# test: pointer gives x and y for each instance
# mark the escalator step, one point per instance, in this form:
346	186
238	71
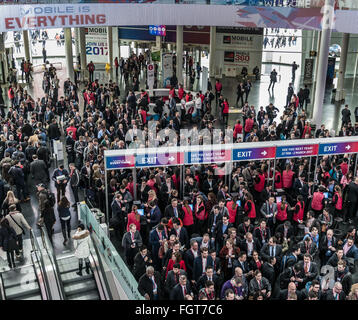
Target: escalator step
32	297
88	295
76	278
19	284
69	270
80	287
23	294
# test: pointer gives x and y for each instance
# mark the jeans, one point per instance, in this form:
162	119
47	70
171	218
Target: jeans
66	224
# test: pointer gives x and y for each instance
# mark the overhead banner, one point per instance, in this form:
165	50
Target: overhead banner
297	151
43	16
150	76
338	148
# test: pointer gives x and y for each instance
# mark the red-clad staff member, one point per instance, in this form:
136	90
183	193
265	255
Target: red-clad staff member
180	92
200	215
278	179
232	207
318	201
337	201
298	213
188	220
225	111
287	177
249	206
282	208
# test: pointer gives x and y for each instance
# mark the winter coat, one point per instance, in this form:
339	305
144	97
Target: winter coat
82	245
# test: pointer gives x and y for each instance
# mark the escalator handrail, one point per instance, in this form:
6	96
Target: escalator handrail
53	260
47	293
104	285
2	288
38	253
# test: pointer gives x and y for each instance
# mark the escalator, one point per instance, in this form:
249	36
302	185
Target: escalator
92	286
28	282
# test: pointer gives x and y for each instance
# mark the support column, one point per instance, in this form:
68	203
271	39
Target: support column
83	57
69	54
322	63
212	52
179	50
25	36
77	41
110	50
340	94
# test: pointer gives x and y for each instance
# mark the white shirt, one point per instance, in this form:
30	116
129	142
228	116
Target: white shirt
198	103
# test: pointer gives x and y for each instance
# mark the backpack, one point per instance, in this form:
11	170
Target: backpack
51	200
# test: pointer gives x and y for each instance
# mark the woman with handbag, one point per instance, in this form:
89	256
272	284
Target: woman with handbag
18	223
8	241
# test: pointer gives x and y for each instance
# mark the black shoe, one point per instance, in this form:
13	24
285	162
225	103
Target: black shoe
64	242
88	268
79	273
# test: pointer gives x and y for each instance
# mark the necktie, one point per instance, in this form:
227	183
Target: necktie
184	290
175	278
132	234
175	212
306	267
270	251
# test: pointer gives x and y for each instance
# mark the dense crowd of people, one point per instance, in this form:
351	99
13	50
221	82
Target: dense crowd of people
267	237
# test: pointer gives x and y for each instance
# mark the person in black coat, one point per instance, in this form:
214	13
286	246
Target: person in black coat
173	278
182	290
221	232
8	242
294	274
142	260
343	276
245	227
214	218
149	285
338	255
310	269
327	247
209	275
336	291
199	262
174	210
180	233
268	270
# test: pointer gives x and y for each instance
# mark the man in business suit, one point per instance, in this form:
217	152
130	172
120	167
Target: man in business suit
286	230
173	278
291	288
200	264
308	246
260	284
328	246
214	218
209	185
131	241
149	284
268	211
118	216
189	256
294	274
249	244
183	290
242	263
209	276
166	189
271	249
221	232
349	249
268	270
337	256
262	233
174	210
156	239
180	233
245	227
142	260
336	293
309	268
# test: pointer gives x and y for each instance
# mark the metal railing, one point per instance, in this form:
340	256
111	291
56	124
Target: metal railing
52	257
110	255
2	288
36	254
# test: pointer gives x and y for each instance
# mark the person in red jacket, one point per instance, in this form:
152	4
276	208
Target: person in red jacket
225	111
200	215
317	203
237	129
116	65
232	208
249	123
298	213
337	201
176	258
134	217
180	91
278	179
11	95
188	220
218	88
282	208
249	207
344	166
287	178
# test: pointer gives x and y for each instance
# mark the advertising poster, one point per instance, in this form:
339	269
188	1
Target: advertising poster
96	44
167	69
150	76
